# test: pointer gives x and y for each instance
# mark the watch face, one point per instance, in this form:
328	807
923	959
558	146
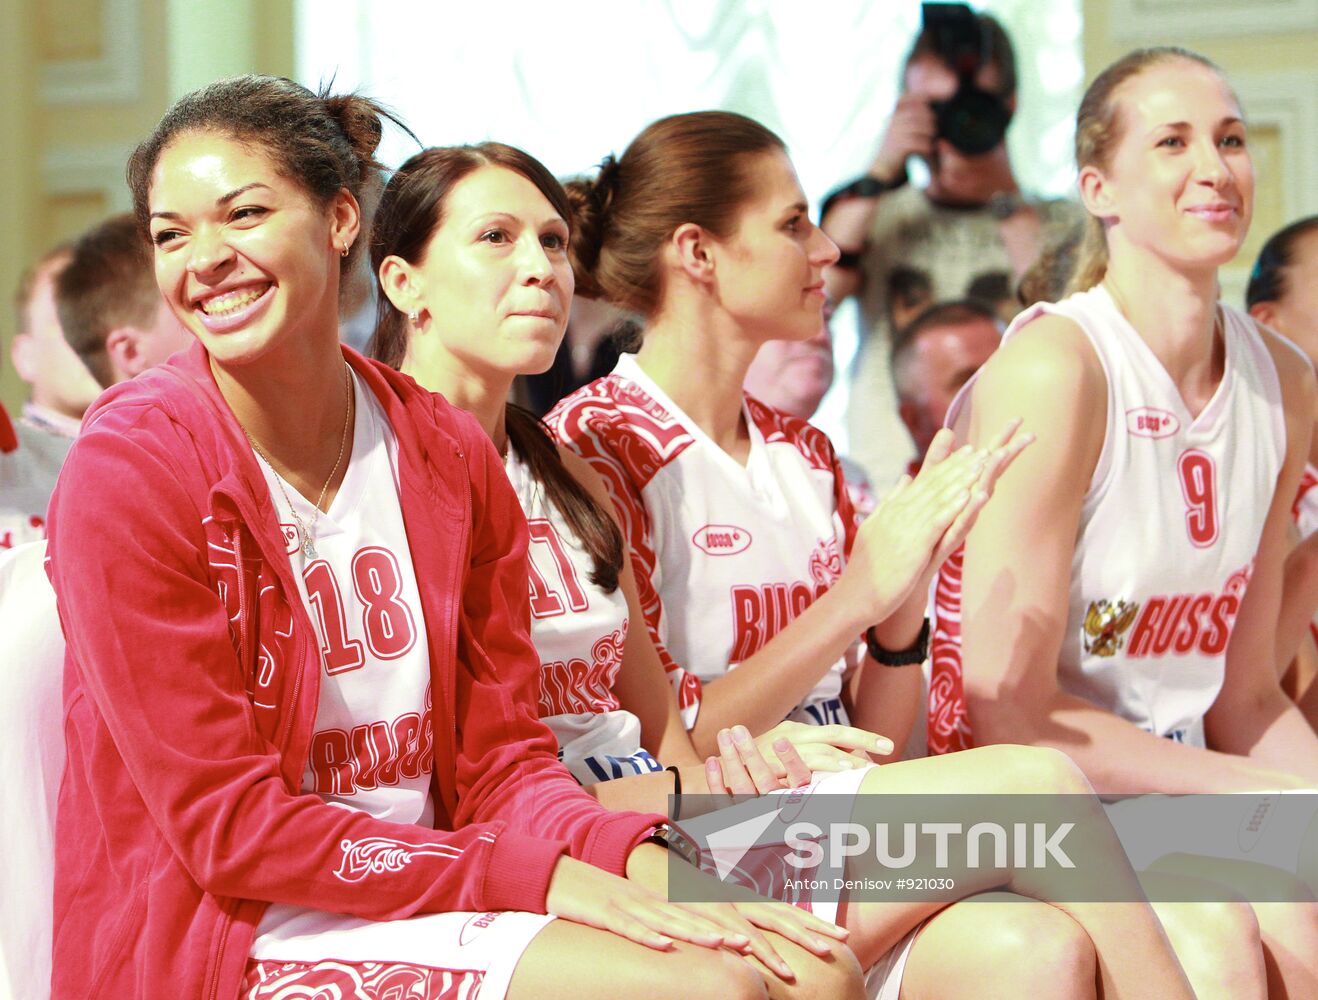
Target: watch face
681	845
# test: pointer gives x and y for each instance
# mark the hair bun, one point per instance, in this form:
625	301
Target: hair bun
360	121
592	202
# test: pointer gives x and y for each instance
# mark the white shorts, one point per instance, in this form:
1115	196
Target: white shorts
432	956
600	746
883	979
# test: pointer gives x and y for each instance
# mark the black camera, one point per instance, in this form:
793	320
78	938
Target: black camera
973	119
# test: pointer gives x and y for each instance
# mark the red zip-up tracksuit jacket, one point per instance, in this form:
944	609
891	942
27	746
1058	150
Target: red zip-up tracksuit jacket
191	686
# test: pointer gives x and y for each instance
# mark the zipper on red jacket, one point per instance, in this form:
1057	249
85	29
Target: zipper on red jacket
243	623
226	923
455	589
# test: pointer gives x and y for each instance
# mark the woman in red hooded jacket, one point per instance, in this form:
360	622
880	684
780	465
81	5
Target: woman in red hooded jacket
300	697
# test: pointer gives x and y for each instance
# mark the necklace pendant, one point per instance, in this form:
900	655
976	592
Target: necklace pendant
308	549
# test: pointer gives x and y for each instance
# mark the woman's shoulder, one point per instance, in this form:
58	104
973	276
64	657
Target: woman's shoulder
1295	373
1292	364
590	406
1048	355
430	412
780	427
620	429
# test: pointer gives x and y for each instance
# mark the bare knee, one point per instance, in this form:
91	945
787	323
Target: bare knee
1044	940
1219	945
1016	769
1214	923
1002	949
837	977
722	974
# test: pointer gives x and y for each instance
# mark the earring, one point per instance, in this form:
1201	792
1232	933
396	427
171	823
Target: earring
345	251
413	316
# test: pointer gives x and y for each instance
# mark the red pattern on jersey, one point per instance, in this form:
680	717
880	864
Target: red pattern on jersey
576	686
1307	482
627	438
776	427
949	724
333	980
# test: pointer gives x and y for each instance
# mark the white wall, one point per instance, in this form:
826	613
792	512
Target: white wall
573	82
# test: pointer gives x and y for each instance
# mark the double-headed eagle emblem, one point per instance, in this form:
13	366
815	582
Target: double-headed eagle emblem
1106	624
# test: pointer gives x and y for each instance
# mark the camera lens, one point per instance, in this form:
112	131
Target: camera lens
973	120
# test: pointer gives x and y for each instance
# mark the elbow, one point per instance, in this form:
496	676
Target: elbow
995	718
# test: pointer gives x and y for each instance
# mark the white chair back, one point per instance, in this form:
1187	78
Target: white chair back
31	766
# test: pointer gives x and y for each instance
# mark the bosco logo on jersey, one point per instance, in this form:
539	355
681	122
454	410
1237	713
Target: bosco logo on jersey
1151	422
721	539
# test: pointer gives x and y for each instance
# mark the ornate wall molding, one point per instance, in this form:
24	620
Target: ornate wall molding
1285	102
68	170
114	75
1170	20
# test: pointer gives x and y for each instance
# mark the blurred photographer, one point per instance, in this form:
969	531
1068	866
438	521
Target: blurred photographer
972	224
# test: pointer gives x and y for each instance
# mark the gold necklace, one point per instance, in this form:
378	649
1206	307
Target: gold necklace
304	538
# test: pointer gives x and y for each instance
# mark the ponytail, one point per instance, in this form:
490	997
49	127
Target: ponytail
1090	259
684	168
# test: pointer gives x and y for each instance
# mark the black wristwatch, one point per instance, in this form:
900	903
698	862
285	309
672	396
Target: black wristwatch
914	653
671	837
864	186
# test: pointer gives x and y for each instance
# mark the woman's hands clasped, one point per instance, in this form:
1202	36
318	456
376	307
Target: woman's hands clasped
787	756
924	520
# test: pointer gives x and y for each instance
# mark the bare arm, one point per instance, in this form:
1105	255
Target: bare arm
848	220
641	687
1299	599
885	699
1017	578
888	565
1252	715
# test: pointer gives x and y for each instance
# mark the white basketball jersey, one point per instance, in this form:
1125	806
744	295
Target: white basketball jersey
580	633
372	747
1305	512
725	556
1169	526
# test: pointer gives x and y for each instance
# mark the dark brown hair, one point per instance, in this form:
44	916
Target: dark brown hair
108	283
410	211
1269	282
684	168
998	52
1098	129
323	143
